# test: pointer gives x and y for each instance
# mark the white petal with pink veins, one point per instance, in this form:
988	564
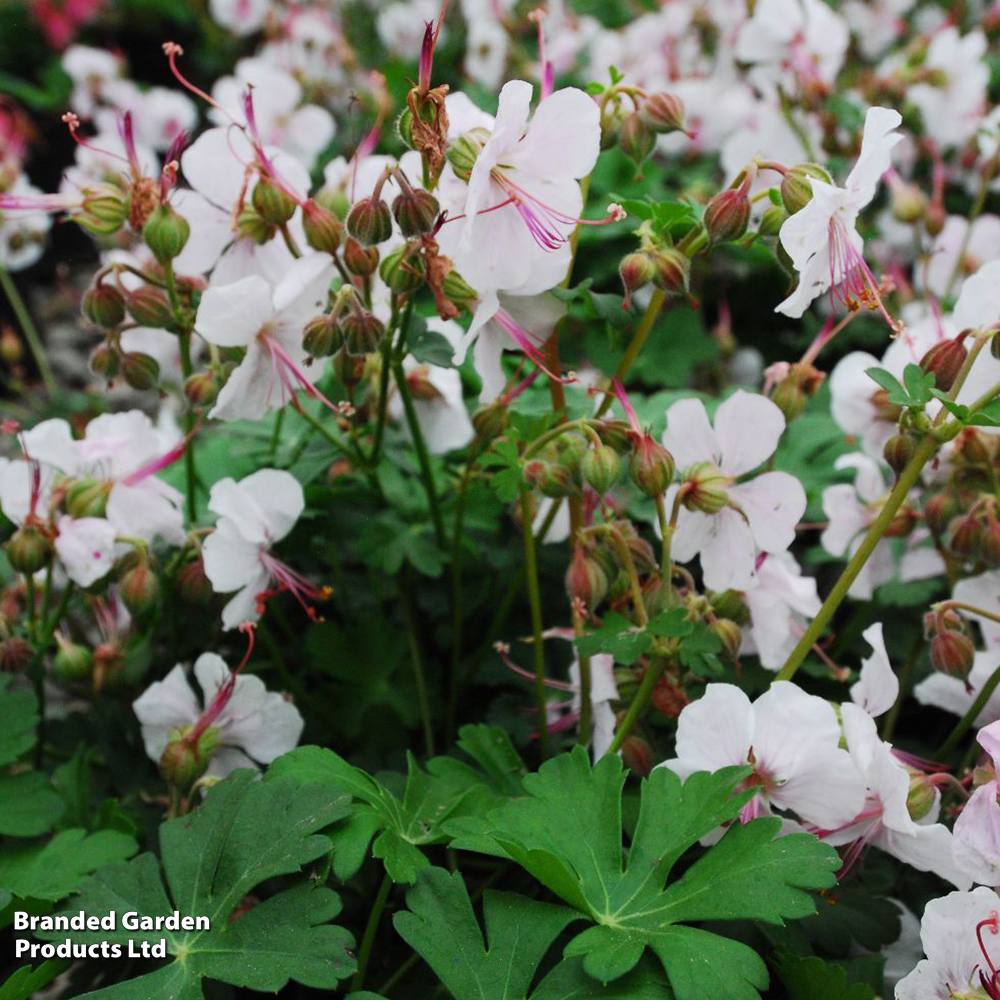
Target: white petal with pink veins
86	548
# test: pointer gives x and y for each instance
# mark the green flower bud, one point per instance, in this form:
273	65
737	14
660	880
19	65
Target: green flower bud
730	635
29	549
370	222
87	497
663	113
601	467
490	420
727	215
363	332
139	588
193	585
673	270
140	371
105	361
322	227
402	270
359	260
322	337
707	489
464	151
73	662
898	451
202	388
637	139
150	307
772	220
651	467
183	764
273	203
636	271
103	305
922	796
166	233
252	227
415	211
586	579
796	185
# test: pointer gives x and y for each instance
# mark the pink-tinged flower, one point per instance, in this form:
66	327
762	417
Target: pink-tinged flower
885	821
241	17
251	725
877	688
804	40
268	322
23	235
851	508
60	19
86	548
780	603
822	239
959	935
789	737
960	249
760	513
523	199
951	693
254	515
977	830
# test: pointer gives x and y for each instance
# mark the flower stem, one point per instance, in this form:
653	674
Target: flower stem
383	399
970	716
923	453
905	676
454	680
30	331
535	600
635	345
418	669
368	939
639	703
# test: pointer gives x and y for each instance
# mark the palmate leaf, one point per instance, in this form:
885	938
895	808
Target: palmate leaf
398	825
18	719
810	978
245	833
26	981
568	834
442	927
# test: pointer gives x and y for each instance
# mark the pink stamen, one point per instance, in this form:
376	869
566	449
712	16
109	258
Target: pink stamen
626	405
524	340
161	462
172	50
290	375
127	134
548	70
528	676
72	122
293	582
37	203
223	695
992	984
851	280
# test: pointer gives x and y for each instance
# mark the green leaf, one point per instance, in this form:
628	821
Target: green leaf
619	637
246	832
23	984
568	835
54	870
442	927
955	409
698	652
431	347
919	384
18	719
810	978
505	459
400	825
886	380
988	416
672	624
29	805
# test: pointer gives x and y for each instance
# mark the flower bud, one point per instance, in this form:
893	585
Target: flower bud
615	434
796	185
921	797
322	227
193	585
772	220
273	203
908	202
706	488
105	361
945	360
637	139
586	579
730	604
464	151
402	271
938	512
87	497
601	467
322	336
360	260
140	371
963	536
636	271
165	233
252	227
150	307
730	635
415	211
457	290
348	368
669	697
73	662
637	755
727	215
183	764
790	397
29	549
139	588
11	351
202	388
103	305
651	466
935	217
672	270
952	653
663	112
897	452
490	420
370	222
902	523
988	548
556	481
363	331
103	214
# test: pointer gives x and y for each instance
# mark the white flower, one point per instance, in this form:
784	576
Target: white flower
780	602
822	239
953	109
877	688
23	235
268	322
851	508
254	514
254	726
523	198
976	847
762	512
241	17
790	738
959	249
951	930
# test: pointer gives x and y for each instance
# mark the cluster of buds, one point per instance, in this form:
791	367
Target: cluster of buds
348	329
632	119
791	385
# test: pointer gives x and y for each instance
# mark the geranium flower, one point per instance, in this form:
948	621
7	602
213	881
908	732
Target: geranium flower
790	738
960	249
268	321
86	548
959	933
756	514
822	239
254	515
976	848
251	726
